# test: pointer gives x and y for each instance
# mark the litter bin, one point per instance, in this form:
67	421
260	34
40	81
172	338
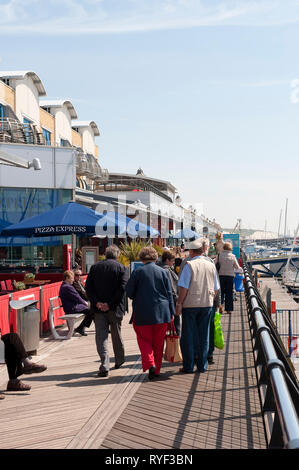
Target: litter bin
27	323
238	279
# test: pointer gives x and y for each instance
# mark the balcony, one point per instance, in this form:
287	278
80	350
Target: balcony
87	165
15	132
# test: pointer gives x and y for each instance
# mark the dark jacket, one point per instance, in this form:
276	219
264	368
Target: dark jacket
149	287
71	300
106	283
173	277
80	289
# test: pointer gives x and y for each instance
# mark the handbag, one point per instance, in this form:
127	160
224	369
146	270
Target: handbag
172	350
218	333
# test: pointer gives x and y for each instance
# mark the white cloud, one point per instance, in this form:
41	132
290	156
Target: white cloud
121	16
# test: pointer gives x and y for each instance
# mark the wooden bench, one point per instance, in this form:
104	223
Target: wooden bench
71	319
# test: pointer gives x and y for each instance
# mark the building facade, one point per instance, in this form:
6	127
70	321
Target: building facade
33	127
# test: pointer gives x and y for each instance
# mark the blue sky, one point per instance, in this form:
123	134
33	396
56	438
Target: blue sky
195	92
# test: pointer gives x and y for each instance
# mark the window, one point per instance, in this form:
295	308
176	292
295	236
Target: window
47	136
27	129
1	114
64	143
6	81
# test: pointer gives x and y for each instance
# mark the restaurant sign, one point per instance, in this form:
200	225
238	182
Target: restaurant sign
60	229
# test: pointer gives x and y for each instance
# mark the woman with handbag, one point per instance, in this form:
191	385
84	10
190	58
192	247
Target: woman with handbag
226	263
150	289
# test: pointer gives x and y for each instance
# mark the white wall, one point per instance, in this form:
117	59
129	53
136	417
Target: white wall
27	100
63	127
58	168
88	142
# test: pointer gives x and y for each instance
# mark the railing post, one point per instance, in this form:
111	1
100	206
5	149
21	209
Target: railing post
290	334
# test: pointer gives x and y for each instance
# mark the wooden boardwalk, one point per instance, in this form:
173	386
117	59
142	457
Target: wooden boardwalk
69	407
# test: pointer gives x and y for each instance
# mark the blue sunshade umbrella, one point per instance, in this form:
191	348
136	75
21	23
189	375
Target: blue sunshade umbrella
131	227
70	218
73	218
186	233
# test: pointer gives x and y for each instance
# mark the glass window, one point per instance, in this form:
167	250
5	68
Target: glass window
27	129
47	136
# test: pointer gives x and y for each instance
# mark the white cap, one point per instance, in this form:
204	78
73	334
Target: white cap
196	244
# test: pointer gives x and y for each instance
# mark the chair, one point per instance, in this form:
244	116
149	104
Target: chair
2	285
9	285
71	319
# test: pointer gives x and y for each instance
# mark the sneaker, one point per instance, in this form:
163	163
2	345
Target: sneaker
103	373
34	368
211	360
17	386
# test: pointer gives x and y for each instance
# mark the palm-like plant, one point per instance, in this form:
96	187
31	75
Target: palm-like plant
131	250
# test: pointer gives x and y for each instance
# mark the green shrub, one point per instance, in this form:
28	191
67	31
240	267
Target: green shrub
20	286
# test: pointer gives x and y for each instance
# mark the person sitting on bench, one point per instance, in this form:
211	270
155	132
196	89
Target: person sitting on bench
72	302
18	363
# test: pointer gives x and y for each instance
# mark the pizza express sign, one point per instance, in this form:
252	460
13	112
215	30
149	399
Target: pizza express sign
60	229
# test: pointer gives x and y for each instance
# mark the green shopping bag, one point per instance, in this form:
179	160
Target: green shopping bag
218	333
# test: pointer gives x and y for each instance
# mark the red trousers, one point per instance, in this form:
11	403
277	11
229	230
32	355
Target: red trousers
150	339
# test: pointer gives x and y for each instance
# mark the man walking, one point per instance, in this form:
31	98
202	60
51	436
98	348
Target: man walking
197	284
105	288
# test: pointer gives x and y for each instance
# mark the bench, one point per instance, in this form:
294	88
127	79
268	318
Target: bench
71	319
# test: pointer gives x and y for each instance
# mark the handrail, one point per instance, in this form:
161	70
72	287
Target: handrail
278	385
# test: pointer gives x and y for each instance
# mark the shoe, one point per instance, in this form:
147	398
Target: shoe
211	360
2	396
17	386
34	368
103	373
229	313
151	373
117	366
183	371
80	331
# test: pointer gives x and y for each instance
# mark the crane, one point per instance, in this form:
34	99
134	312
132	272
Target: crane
237	227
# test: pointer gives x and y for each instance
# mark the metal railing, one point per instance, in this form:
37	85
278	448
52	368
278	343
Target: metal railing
14	131
277	381
287	324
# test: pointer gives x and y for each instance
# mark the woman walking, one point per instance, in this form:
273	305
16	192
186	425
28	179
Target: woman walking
228	263
150	289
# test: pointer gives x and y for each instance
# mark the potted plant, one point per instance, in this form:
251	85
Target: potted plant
20	286
29	277
131	251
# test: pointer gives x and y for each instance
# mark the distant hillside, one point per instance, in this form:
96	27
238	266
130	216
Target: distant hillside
245	232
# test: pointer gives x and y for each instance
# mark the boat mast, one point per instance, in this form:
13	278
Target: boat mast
285	220
279	224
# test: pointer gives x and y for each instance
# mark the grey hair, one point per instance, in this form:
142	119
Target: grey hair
112	252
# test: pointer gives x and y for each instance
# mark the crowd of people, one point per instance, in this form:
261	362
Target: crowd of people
185	286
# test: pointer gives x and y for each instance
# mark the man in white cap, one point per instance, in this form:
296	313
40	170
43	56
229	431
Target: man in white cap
198	284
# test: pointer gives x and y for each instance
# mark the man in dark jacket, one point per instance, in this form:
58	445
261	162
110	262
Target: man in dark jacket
105	288
78	285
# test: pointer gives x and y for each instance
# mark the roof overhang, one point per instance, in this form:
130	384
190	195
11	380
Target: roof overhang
20	75
59	104
82	124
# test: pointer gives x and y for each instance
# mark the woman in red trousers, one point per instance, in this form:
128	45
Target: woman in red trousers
150	289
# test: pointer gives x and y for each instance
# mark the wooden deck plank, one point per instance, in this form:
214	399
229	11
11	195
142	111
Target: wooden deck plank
70	407
218	409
